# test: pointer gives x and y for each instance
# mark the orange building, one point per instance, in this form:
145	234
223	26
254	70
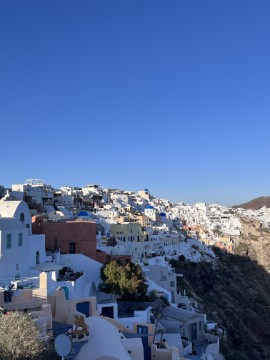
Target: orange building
71	237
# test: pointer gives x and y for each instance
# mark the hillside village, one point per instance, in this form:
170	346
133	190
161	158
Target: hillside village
55	241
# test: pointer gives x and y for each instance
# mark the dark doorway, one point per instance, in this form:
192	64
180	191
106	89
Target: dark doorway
193	331
72	248
83	307
107	311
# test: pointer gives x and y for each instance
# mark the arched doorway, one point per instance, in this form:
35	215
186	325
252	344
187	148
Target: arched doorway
66	290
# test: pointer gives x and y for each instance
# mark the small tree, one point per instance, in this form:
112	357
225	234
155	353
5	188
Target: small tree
110	275
132	282
158	306
20	338
157	311
126	280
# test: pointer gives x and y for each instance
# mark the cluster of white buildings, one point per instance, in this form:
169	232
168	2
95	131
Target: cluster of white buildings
262	215
68	201
52	298
133	226
210	217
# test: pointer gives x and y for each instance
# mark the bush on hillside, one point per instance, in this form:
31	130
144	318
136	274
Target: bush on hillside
20	338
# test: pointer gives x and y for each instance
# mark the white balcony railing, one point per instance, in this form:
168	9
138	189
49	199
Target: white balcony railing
24	282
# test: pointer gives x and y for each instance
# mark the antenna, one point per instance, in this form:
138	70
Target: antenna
62	345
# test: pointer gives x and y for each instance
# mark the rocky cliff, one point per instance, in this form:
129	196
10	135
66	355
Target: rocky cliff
236	293
254	242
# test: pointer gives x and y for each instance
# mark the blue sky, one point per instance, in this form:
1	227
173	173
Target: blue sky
167	95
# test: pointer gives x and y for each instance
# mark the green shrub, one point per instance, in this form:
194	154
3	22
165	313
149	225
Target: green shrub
20	338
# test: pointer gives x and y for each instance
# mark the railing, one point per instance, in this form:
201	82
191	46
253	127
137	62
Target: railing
52	252
24	282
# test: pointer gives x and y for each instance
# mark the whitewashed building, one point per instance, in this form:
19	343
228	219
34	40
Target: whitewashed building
20	250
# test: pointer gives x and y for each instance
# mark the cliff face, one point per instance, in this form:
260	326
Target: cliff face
254	242
236	293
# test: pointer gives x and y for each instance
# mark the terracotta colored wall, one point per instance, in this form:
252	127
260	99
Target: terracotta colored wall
60	234
123	258
83	233
101	257
37	222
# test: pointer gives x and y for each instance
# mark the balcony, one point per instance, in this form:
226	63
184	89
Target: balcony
26	294
21	283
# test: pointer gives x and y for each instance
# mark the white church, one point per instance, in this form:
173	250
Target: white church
20	250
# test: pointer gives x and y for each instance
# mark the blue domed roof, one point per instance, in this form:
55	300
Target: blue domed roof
162	214
83	213
149	207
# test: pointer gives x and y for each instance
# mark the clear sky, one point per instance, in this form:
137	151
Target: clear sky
173	96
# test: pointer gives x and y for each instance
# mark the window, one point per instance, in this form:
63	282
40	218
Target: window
8	241
20	239
22	217
37	258
172	283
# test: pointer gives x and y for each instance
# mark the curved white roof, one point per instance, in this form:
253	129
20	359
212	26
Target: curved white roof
8	208
79	262
16	209
104	342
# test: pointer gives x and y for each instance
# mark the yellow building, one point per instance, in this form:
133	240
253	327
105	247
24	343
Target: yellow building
127	232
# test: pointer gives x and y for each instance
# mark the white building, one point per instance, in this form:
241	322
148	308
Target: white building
20	250
91	189
151	212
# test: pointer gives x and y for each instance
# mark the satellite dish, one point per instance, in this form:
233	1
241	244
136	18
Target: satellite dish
62	345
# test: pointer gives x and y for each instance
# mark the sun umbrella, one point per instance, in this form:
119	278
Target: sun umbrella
48	266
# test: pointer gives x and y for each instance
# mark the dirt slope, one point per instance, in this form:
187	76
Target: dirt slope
255	203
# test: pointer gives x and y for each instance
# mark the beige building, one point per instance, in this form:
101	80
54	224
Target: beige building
143	220
127	232
144	194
